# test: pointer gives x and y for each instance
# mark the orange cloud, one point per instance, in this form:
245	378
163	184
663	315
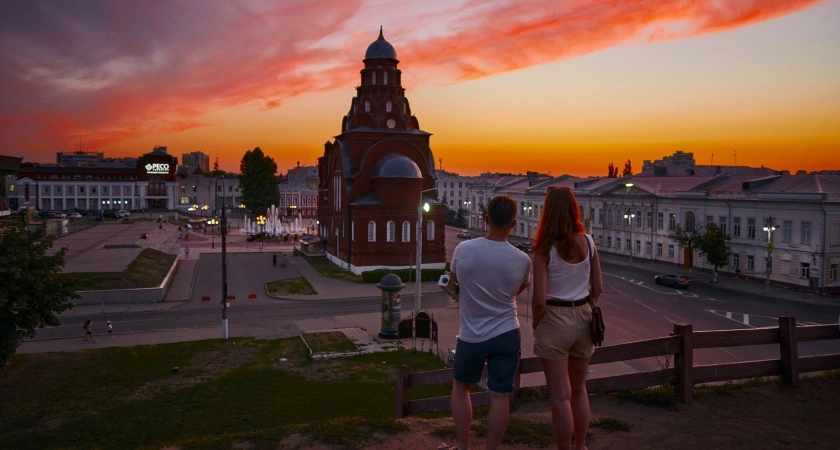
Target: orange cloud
112	71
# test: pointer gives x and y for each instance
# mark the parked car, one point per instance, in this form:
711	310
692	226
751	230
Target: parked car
109	213
464	234
524	246
59	215
677	281
123	213
75	215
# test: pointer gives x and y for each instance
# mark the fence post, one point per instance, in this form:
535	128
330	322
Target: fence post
402	391
788	350
684	363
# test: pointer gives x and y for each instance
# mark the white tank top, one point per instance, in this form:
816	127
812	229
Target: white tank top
568	281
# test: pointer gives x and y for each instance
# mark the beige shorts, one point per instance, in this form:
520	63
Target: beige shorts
564	331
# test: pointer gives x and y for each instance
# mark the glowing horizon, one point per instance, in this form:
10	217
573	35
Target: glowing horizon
566	87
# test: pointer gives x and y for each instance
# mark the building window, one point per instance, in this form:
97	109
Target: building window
373	77
391	228
650	219
671	251
736	260
690	224
710	220
736	227
805	270
722	222
672	221
806	233
659	249
406	231
648	247
639	246
751	228
367	106
618	243
609	217
609	241
600	216
787	231
638	218
385	79
660	220
833	272
387	106
430	231
371	231
628	244
750	262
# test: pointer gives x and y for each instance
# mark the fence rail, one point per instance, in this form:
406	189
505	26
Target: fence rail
680	346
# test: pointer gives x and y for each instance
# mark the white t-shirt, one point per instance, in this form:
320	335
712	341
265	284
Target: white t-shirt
489	275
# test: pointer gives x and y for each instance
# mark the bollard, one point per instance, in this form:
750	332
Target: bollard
391	285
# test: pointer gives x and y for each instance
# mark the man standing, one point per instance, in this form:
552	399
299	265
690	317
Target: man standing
490	273
274	260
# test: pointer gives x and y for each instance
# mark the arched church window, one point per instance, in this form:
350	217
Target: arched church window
373	77
430	230
387	106
406	231
391	234
367	106
371	231
385	78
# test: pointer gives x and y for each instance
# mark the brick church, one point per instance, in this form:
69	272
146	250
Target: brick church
375	175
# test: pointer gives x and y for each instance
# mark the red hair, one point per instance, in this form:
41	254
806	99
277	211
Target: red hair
559	222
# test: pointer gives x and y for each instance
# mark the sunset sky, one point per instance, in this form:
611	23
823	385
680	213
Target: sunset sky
563	86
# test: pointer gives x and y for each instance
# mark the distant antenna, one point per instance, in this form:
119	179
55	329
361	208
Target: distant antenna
735	155
713	160
440	161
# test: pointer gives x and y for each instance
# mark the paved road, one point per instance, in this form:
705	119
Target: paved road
636	308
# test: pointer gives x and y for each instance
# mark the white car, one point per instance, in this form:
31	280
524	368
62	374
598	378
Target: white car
123	213
75	215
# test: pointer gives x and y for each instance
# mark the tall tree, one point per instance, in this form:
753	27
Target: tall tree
628	169
31	290
258	181
687	239
610	170
715	245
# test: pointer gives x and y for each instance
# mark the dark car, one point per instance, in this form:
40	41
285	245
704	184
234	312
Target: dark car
524	246
677	281
464	234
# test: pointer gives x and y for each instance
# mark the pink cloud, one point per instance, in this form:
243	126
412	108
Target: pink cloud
112	71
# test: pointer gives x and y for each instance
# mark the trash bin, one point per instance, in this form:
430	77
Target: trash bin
391	285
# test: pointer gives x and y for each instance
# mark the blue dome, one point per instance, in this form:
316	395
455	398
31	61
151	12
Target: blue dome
380	48
396	166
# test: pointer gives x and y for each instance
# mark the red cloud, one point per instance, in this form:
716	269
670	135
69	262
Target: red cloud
136	69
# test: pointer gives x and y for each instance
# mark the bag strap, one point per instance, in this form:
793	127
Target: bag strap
589	250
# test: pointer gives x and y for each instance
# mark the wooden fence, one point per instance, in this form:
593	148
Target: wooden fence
679	346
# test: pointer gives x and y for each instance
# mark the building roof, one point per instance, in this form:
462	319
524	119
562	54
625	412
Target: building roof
396	166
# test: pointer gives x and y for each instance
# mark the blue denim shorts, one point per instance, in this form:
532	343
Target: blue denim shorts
501	354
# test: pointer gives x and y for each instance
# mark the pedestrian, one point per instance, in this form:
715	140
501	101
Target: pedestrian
88	326
567	284
110	329
274	260
285	261
490	273
261	246
187	252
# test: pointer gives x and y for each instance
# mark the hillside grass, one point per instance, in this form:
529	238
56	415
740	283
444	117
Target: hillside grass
204	394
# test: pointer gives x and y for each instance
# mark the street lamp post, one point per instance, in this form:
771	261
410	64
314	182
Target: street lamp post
467	205
526	211
769	228
203	209
213	222
417	287
629	216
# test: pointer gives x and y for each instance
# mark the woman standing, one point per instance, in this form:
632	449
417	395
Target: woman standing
89	331
567	283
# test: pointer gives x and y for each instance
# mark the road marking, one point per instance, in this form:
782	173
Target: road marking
646	306
669	319
729	315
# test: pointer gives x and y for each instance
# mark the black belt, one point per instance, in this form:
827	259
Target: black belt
566	303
